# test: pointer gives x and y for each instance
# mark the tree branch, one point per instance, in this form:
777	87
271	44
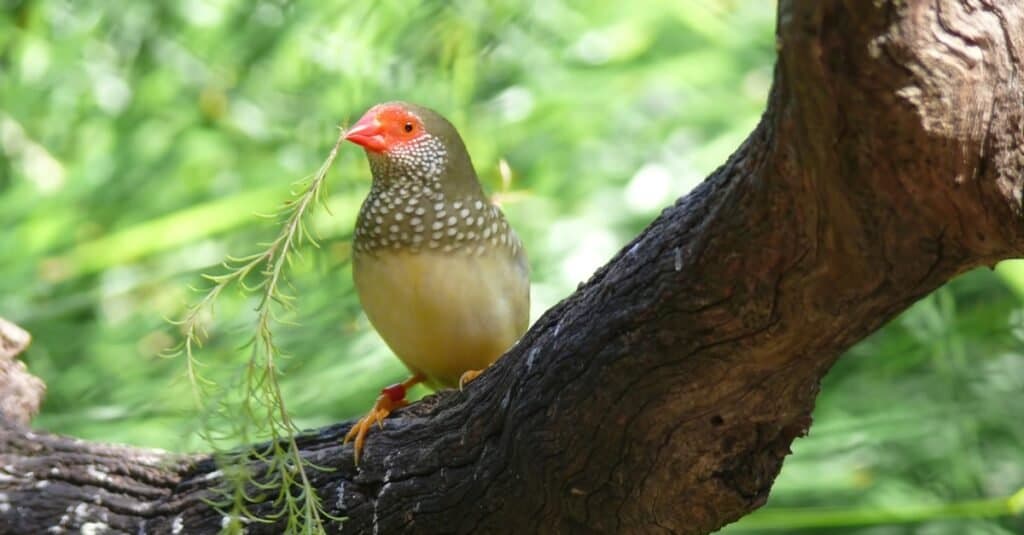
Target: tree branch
21	393
664	394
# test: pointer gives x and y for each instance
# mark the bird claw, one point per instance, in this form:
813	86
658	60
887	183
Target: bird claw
381	409
391	398
468	376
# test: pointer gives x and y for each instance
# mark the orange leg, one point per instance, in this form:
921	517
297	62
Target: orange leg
391	398
468	376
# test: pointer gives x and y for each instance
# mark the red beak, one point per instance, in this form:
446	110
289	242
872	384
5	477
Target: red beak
367	132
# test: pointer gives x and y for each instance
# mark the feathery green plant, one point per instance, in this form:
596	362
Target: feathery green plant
261	412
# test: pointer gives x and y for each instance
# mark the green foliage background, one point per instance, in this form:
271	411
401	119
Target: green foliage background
138	140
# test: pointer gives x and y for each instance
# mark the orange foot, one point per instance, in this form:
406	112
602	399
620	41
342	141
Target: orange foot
468	376
391	398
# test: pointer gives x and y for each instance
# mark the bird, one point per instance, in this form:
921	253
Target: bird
441	275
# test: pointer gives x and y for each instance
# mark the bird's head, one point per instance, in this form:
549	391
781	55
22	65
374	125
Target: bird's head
408	142
386	127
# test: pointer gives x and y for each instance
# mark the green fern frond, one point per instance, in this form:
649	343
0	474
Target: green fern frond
260	410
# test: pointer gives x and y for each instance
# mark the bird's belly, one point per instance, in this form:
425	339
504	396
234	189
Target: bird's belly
443	314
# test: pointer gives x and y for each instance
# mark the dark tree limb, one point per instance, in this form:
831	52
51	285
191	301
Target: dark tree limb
664	394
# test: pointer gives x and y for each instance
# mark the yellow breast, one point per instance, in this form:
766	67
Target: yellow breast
444	313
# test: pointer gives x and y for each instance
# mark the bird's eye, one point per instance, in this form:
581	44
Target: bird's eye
408	127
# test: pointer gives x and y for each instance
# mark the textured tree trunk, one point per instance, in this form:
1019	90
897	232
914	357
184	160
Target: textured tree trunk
664	394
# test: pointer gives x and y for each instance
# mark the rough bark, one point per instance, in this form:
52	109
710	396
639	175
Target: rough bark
664	394
21	393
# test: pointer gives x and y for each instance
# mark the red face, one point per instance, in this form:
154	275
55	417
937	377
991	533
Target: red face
384	127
